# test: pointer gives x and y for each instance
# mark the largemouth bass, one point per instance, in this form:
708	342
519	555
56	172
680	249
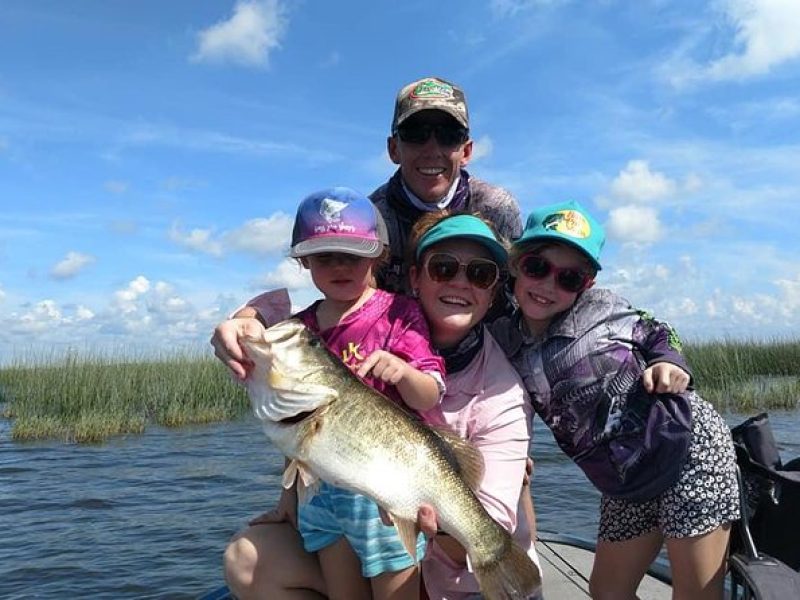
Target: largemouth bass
334	427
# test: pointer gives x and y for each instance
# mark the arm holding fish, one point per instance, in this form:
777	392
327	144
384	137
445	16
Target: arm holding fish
227	346
266	309
419	391
408	360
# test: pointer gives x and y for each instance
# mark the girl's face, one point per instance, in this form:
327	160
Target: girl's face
339	276
455	306
543	298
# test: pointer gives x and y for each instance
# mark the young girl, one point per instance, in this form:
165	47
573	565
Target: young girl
611	384
340	237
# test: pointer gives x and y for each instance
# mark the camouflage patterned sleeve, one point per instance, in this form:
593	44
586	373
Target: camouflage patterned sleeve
659	342
499	206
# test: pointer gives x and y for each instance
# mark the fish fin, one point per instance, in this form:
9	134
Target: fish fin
290	474
308	485
512	574
307	482
407	531
466	457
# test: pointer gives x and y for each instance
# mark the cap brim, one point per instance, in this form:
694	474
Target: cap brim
358	247
445	109
543	237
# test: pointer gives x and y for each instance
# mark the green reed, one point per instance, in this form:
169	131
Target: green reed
745	376
88	399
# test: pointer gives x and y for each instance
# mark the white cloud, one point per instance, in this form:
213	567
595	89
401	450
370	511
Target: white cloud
637	183
199	240
261	236
41	317
2	294
636	224
764	37
256	236
83	314
125	299
482	148
288	274
72	264
247	37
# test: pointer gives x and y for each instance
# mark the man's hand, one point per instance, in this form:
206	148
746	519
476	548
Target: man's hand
227	346
665	378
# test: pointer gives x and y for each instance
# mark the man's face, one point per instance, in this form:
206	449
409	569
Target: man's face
430	167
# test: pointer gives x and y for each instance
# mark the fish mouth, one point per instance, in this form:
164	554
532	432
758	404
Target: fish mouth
297	418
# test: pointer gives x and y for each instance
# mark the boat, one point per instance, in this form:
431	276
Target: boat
566	563
765	555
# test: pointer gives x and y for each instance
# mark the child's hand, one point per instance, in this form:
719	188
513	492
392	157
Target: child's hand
665	378
384	366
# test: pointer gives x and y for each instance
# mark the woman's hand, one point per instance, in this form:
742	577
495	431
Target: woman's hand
284	512
227	346
665	378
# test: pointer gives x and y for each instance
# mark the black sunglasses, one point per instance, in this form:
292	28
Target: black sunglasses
481	272
446	134
538	267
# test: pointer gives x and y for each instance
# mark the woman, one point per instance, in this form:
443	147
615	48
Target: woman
457	270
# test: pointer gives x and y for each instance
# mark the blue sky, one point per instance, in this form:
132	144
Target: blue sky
152	153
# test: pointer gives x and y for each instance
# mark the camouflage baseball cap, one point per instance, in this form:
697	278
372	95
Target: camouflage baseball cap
430	93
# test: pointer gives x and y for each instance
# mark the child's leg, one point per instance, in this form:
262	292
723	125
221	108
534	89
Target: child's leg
341	569
620	566
698	564
628	540
397	585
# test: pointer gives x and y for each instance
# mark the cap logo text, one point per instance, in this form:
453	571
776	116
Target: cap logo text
568	222
432	89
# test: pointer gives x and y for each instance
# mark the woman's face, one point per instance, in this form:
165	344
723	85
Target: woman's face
452	307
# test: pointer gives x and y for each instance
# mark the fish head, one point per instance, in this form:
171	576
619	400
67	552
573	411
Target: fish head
292	372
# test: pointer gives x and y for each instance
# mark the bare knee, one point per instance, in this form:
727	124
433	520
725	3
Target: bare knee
239	563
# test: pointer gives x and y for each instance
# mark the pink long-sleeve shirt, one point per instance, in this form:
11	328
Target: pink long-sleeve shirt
485	403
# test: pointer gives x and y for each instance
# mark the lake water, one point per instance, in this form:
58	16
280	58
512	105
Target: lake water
148	516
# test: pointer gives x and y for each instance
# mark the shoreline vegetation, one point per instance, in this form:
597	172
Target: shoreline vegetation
87	399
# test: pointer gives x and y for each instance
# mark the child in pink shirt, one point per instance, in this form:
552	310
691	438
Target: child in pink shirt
340	237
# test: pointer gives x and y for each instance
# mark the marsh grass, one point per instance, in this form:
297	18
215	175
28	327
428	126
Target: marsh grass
745	376
91	398
88	399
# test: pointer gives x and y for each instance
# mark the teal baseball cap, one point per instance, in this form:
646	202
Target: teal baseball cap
569	223
467	227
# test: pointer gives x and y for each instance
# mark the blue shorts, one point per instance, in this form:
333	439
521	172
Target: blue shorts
334	513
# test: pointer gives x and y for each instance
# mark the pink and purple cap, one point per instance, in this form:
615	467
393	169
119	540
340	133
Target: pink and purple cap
338	219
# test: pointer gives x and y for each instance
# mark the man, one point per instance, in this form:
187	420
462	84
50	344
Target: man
430	141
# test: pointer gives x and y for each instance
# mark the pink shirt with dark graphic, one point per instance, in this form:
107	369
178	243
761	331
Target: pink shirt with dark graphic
384	322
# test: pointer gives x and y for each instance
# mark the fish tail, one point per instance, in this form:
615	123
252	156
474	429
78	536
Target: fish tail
512	575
